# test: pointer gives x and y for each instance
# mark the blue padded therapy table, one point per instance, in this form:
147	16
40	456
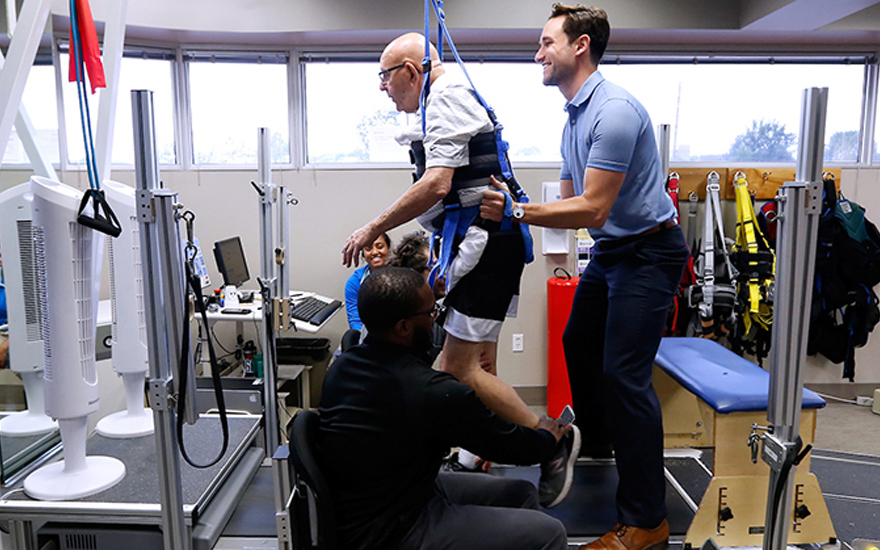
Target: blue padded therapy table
729	395
721	378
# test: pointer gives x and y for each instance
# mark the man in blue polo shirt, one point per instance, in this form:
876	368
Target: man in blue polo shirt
612	183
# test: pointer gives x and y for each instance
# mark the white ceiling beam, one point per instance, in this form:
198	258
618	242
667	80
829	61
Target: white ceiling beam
28	136
798	15
21	54
114	42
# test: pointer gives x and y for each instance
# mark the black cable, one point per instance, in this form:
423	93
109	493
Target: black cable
217	340
269	354
791	459
195	285
258	340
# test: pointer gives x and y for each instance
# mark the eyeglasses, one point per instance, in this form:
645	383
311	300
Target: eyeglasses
385	74
433	312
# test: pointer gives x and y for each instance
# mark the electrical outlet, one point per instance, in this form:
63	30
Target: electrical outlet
517	342
876	407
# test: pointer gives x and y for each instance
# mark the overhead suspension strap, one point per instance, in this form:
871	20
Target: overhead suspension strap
501	146
85	56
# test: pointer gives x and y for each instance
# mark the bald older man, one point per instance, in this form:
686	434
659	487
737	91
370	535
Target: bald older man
454	158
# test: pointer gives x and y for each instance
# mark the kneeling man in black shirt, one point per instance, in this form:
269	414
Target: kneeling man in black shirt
388	420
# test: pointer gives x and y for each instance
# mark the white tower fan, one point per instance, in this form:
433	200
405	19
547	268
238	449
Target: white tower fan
66	252
129	337
23	304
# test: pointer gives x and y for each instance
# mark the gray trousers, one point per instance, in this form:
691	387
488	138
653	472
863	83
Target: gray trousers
472	510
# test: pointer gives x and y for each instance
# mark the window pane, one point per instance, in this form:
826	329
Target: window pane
343	130
348	119
744	112
145	74
41	105
229	102
532	114
135	74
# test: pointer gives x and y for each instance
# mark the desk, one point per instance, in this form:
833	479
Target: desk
254	312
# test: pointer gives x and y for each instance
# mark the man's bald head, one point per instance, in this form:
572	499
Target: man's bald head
409	47
401	70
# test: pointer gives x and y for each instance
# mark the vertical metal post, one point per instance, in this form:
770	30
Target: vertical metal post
799	208
869	113
268	196
664	131
162	257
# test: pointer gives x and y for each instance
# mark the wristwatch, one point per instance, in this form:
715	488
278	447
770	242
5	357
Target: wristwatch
518	212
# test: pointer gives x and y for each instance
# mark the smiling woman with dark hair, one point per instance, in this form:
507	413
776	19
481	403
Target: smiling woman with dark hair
375	257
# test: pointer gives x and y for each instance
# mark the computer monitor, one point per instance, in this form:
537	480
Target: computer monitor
229	255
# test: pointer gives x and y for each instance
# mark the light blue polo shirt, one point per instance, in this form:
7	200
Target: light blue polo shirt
608	128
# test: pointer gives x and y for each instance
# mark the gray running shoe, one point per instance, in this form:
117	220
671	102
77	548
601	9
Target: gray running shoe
558	472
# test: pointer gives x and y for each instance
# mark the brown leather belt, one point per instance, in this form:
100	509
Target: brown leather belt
616	243
665	225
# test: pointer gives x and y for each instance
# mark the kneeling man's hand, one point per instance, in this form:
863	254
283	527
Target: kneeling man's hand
553	426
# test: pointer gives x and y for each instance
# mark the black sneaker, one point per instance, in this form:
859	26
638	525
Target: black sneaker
558	472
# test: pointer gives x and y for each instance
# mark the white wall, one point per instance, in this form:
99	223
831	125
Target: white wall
332	203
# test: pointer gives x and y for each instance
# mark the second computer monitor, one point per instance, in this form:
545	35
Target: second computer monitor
229	255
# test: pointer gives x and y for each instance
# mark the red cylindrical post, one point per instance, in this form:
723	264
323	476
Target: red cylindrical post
560	294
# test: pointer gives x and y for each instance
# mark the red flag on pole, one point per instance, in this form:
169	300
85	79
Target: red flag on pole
88	37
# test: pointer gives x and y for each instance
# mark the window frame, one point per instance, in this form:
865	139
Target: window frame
60	43
247	54
515	54
298	56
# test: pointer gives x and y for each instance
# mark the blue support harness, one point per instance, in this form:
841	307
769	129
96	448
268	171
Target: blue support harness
457	219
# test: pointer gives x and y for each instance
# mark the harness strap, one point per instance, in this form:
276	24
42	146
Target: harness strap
455	225
507	217
501	146
443	32
746	240
750	239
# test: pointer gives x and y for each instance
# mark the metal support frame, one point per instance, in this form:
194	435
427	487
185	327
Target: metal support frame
20	58
663	132
798	219
164	295
270	283
114	42
276	292
869	113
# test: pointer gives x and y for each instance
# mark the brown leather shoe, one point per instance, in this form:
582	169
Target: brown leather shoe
624	537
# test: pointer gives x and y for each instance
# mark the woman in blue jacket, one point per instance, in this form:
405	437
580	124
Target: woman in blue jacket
375	257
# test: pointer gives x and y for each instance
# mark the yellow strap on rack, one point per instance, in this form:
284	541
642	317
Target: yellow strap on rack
746	239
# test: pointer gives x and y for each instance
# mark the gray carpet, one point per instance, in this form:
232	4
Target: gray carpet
849	428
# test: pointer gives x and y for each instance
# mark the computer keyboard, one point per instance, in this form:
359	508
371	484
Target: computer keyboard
313	310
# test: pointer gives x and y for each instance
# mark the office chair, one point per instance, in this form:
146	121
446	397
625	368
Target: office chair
310	486
350	339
